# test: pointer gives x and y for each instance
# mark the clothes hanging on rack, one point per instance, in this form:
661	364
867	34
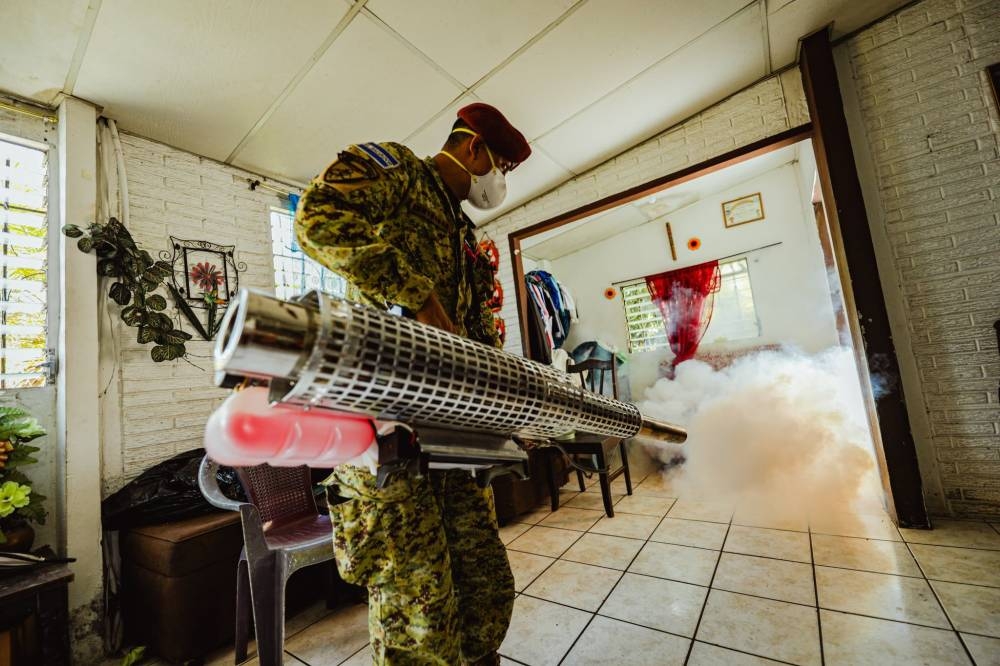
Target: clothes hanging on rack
555	307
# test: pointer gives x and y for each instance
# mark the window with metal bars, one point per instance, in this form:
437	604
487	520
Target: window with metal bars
23	269
734	316
294	272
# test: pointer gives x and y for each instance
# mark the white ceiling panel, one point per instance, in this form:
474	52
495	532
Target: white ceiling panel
37	41
585	233
537	175
429	139
596	49
789	21
369	86
664	94
196	74
468	38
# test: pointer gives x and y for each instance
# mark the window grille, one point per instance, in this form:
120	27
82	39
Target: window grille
23	271
294	272
734	315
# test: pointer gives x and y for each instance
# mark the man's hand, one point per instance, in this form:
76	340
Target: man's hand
433	313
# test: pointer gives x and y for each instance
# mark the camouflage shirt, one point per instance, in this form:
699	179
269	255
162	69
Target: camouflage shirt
383	218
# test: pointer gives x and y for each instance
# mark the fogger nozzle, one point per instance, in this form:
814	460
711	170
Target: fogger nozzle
325	352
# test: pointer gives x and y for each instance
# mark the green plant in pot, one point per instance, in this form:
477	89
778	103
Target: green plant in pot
20	505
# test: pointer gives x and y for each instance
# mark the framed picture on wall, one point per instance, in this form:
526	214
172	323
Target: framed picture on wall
745	209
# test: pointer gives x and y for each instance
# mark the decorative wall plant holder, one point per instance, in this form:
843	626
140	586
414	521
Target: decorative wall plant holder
205	278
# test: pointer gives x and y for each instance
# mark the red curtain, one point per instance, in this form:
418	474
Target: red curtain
685	298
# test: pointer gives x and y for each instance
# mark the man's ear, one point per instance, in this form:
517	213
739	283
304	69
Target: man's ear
475	146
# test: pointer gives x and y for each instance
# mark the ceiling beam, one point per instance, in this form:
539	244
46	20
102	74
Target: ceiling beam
86	31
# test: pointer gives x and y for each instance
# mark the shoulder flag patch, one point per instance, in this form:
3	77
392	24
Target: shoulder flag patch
382	157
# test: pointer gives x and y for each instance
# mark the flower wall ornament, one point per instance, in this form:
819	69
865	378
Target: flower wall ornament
205	278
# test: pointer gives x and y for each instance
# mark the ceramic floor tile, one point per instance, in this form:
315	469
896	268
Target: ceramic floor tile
964	533
306	617
573	584
770	518
568	518
985	651
658	604
362	657
703	654
646	505
959	565
547	541
627	525
691	533
879	595
855	525
682	563
510	532
657	483
972	609
852	639
592	501
333	639
890	557
533	517
617	486
526	567
541	632
764	577
779	544
712	512
767	628
605	638
603	550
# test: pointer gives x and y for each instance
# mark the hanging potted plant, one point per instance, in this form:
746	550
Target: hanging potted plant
20	505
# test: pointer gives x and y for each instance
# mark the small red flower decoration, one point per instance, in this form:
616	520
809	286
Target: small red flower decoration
206	276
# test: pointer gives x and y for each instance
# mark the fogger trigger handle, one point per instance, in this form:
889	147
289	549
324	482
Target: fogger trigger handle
398	451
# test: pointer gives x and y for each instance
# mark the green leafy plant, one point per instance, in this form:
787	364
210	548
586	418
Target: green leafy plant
134	656
19	504
135	277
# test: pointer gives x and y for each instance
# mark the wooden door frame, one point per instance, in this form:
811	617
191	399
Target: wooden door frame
862	286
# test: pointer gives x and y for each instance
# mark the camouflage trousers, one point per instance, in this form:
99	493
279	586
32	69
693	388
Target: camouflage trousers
440	588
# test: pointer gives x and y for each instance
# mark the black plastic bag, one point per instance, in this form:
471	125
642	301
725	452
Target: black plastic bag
166	492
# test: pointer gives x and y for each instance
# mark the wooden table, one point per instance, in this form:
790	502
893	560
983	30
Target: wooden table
42	592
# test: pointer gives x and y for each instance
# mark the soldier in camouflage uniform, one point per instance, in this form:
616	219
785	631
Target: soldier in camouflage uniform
440	586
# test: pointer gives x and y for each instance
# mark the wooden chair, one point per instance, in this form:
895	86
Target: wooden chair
593	451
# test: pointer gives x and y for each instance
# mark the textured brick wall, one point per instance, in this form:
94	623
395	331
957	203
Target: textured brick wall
764	109
932	128
159	409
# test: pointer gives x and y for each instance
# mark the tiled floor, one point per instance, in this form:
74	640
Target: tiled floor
685	582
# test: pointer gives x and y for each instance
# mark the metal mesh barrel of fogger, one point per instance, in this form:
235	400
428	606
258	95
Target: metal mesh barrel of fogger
325	352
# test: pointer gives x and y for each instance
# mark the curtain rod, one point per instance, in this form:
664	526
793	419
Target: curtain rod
756	249
254	184
28	112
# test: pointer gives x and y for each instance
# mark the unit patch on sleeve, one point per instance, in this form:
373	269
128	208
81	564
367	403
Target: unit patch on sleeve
382	157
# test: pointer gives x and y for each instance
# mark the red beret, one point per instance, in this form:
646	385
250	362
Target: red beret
497	132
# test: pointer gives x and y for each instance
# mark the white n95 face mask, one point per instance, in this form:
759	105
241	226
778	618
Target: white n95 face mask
487	191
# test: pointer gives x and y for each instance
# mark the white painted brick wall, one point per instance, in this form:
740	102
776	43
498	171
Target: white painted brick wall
764	109
164	406
932	128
